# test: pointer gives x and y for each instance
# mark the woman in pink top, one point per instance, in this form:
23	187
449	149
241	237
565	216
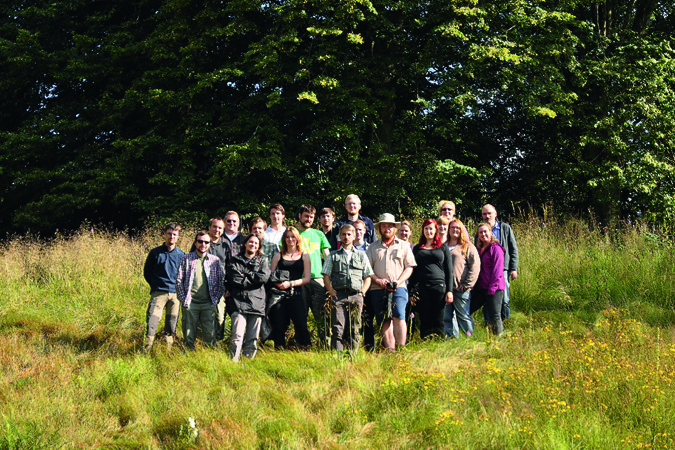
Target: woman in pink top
489	289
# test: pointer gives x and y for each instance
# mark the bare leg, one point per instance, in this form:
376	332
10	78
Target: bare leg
388	335
400	330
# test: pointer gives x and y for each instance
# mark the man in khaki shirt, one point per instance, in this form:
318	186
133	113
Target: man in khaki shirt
392	262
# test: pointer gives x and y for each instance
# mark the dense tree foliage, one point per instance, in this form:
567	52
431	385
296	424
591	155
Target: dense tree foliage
116	111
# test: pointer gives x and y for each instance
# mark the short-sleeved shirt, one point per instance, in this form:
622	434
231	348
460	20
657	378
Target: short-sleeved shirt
314	242
328	265
272	243
390	262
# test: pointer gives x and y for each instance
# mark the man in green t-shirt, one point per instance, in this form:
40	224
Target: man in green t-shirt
314	242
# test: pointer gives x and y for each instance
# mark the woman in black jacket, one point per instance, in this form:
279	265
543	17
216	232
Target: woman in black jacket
247	274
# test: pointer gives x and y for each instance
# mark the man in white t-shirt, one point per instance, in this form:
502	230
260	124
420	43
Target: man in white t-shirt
275	231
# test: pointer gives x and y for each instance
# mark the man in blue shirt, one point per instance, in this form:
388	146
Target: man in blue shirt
159	271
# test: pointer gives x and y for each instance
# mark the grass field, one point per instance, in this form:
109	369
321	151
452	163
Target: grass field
587	360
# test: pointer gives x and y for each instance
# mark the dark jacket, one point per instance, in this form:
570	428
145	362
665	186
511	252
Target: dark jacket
246	280
160	268
508	241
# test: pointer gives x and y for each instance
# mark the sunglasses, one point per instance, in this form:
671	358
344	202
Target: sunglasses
231	221
201	241
447	209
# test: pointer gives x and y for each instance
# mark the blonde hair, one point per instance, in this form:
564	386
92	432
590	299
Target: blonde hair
442	203
463	240
493	238
294	231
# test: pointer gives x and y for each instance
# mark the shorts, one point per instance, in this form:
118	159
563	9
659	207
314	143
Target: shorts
379	297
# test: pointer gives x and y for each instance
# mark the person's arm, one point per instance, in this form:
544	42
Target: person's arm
367	272
512	248
218	279
448	270
410	264
404	276
180	274
260	275
329	285
306	271
149	266
513	255
366	285
275	262
471	269
325	245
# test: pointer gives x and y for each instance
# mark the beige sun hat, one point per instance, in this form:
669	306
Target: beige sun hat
387	218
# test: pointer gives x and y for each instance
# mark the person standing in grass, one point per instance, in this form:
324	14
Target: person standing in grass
507	239
316	244
219	247
434	279
160	273
199	286
489	290
392	262
285	299
466	266
346	275
247	274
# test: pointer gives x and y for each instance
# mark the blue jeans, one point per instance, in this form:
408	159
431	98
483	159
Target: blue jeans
457	314
380	303
506	309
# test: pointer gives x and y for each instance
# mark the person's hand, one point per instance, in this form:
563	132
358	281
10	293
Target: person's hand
513	274
448	298
382	282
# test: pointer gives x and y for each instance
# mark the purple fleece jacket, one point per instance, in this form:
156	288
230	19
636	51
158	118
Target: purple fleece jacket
491	277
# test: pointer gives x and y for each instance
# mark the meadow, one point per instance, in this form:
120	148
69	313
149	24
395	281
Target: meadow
587	360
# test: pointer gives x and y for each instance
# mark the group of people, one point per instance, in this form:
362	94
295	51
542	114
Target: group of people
341	272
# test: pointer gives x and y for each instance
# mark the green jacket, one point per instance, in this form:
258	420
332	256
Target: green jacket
347	274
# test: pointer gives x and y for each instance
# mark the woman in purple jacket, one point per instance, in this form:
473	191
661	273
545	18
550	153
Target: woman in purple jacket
489	289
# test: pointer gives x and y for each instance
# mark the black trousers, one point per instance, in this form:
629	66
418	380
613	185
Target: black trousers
280	317
431	309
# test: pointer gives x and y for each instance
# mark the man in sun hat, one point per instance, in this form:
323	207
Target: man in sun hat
392	262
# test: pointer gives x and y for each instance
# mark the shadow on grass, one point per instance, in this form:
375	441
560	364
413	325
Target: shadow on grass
99	340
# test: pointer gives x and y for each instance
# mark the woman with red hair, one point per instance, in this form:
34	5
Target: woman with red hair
434	278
